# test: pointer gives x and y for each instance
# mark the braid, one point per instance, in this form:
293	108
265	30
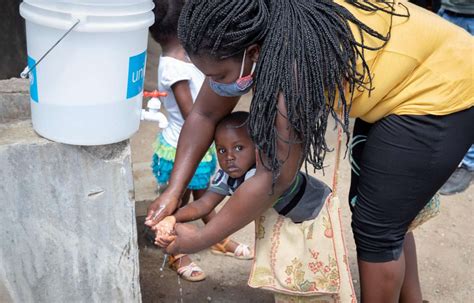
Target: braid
308	53
222	28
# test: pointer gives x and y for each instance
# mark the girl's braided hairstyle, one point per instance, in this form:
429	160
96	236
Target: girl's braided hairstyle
308	53
167	14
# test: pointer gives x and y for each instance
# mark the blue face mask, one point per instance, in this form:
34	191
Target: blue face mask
235	89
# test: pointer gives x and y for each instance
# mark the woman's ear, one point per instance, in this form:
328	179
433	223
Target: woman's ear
253	51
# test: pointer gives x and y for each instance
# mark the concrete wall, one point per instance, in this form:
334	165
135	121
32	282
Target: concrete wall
67	219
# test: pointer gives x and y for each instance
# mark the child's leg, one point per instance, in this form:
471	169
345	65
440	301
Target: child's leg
185	267
183	263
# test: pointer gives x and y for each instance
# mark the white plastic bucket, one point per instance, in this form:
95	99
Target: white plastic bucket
88	90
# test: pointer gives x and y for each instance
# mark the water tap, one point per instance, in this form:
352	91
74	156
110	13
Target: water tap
154	105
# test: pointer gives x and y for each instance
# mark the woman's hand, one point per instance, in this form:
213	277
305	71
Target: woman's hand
186	240
163	206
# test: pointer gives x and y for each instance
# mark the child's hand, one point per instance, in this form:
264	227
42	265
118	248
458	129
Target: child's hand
165	227
163	230
164	241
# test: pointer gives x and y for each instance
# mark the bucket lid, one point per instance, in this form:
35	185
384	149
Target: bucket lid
95	7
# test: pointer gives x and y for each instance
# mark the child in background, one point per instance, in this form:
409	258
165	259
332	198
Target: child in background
182	81
312	274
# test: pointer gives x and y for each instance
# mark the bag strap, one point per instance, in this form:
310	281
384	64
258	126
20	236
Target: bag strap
335	177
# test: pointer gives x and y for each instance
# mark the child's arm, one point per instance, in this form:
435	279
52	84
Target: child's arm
251	198
195	210
184	99
199	208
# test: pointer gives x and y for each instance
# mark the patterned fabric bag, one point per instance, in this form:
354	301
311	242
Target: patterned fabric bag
304	262
307	259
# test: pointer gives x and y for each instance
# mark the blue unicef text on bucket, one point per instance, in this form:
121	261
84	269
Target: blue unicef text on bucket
136	74
33	80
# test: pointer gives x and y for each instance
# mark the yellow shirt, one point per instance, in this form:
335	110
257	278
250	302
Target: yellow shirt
427	66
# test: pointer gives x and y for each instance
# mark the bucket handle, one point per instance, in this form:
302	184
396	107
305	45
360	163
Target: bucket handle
26	72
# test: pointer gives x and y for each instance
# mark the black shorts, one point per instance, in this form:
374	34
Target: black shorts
403	162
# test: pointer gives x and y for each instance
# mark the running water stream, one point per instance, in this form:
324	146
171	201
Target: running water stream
165	257
179	284
179	277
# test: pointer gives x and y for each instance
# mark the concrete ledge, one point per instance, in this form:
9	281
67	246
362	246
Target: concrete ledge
67	224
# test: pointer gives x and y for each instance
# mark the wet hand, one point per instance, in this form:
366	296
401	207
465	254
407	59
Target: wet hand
164	241
162	207
163	230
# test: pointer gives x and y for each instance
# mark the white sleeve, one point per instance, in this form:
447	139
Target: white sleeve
175	72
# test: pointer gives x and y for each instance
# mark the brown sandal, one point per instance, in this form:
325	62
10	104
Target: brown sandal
186	272
242	252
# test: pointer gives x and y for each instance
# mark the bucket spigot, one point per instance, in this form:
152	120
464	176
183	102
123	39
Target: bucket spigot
154	105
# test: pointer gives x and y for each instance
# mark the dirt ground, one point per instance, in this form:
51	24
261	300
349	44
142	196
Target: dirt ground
445	244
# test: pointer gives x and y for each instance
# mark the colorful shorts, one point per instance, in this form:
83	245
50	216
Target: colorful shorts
163	162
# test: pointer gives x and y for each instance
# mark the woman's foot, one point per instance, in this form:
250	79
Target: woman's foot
186	268
231	248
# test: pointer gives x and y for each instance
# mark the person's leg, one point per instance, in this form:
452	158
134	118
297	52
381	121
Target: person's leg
381	282
402	164
184	261
407	289
459	181
411	289
468	160
186	268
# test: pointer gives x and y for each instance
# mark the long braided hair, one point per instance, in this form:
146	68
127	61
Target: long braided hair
308	53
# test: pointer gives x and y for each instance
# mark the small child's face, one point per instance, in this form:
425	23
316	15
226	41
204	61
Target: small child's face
235	150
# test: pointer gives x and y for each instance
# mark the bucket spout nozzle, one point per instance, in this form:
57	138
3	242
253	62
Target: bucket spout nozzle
156	117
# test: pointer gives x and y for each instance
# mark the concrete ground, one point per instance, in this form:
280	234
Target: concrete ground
445	244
